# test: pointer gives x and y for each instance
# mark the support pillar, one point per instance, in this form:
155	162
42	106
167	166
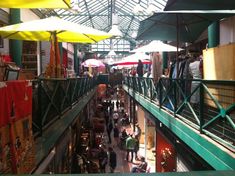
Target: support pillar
15	45
76	59
61	52
164	60
214	34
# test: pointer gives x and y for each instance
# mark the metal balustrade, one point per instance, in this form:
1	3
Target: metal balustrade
213	114
53	97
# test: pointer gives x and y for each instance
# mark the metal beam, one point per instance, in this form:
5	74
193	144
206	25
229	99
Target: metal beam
90	18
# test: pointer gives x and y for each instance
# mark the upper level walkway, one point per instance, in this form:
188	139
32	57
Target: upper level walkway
207	127
202	118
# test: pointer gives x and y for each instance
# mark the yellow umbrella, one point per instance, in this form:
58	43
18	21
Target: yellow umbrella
42	29
35	4
53	29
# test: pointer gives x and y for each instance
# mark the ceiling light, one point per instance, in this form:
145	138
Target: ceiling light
138	9
134	34
115	31
75	6
112	53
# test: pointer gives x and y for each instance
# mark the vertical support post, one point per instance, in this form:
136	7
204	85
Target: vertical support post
75	56
40	105
165	60
160	92
134	115
213	34
61	52
201	110
175	96
131	117
15	45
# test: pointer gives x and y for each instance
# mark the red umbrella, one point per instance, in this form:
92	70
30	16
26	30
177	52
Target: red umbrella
134	59
132	62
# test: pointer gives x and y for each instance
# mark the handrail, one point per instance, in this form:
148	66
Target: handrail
206	105
52	97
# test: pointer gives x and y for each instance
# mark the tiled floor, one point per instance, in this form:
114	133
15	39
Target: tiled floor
122	165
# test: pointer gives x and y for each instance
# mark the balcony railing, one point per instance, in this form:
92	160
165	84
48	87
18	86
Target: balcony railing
53	97
208	106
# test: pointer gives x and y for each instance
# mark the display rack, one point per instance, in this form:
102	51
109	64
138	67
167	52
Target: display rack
29	59
29	56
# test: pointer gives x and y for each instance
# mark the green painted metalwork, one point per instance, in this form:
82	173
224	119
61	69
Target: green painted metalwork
103	78
215	122
51	103
213	34
52	135
212	97
15	45
216	155
76	61
55	96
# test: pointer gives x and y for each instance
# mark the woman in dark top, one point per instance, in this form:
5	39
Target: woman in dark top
140	69
112	159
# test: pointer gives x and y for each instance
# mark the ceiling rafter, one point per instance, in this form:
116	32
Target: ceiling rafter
90	18
98	14
101	10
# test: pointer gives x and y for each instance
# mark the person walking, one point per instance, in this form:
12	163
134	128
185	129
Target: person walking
140	69
136	149
194	70
116	134
137	131
130	146
112	159
109	130
103	160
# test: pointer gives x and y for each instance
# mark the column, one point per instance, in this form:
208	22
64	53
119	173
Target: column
61	52
76	59
214	34
15	45
164	60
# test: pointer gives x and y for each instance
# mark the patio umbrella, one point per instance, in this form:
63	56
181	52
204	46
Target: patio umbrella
93	63
134	59
35	4
156	46
53	29
200	5
176	26
173	26
42	29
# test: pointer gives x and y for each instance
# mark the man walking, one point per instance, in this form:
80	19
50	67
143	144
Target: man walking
130	146
112	159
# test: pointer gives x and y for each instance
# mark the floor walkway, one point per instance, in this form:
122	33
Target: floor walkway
122	165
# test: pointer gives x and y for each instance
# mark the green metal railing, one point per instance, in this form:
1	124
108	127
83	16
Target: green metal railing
53	97
208	106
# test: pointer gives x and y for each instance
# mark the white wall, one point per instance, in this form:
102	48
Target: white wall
45	50
27	15
227	31
5	49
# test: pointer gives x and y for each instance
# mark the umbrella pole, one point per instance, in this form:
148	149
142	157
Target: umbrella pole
54	42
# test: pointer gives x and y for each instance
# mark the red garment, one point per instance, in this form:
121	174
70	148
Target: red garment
4	105
21	99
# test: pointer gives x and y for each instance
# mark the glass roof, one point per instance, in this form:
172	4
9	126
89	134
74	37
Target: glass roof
98	14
